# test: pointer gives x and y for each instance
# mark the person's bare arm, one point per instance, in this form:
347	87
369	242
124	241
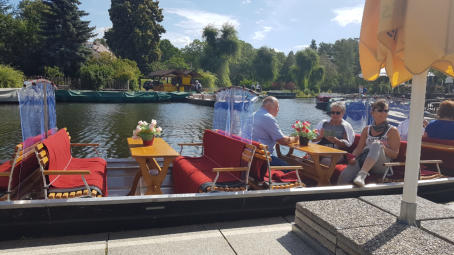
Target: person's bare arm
362	142
392	147
287	140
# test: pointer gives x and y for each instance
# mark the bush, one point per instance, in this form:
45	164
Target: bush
96	75
53	73
98	71
10	77
208	80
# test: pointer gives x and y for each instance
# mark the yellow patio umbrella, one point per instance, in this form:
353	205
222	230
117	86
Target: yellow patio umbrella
407	37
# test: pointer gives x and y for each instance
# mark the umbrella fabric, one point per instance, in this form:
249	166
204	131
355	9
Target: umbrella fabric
406	37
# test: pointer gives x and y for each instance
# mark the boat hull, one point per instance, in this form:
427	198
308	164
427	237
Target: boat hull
79	216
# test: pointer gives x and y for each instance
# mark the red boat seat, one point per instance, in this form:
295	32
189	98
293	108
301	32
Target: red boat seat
280	179
25	164
195	174
56	148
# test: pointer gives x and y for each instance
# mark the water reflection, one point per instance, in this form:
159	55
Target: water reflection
110	124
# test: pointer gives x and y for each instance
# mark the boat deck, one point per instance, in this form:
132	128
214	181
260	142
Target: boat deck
120	175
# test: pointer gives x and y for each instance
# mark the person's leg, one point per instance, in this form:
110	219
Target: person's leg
349	173
379	168
275	161
375	150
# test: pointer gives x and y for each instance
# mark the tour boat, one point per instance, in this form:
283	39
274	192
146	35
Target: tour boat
34	214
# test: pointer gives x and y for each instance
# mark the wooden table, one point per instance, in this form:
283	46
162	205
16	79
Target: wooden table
312	168
146	157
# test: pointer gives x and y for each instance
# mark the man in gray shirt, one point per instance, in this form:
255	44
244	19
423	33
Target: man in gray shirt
266	129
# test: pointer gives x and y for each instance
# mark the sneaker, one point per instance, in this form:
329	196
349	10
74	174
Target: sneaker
360	178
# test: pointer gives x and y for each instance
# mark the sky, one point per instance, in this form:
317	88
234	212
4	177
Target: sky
283	25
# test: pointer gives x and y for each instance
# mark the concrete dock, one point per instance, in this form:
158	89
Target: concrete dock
259	236
365	225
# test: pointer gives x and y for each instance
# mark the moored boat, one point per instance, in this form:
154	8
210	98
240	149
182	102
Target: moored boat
40	216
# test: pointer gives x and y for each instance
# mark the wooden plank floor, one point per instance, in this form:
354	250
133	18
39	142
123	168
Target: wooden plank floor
121	172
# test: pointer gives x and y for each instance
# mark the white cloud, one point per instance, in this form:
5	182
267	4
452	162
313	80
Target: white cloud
347	16
300	47
246	2
100	31
195	20
260	35
177	39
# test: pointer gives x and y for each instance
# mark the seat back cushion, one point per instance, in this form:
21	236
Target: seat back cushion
259	166
191	174
59	153
58	149
223	150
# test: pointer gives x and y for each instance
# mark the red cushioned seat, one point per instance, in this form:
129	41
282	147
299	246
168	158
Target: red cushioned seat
192	174
59	152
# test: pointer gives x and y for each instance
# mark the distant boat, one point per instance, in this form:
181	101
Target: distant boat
281	94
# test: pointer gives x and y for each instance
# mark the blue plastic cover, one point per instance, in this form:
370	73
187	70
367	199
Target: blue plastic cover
359	112
32	105
234	110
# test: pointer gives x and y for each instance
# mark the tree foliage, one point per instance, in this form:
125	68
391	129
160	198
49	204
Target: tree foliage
305	62
136	31
98	71
221	47
265	65
168	50
192	53
10	77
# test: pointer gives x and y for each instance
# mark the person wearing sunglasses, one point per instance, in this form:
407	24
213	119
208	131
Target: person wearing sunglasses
443	127
379	143
335	132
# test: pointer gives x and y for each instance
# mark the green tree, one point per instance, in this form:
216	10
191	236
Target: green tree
168	50
136	31
316	77
65	34
265	66
193	52
176	62
305	62
313	45
241	66
221	47
284	73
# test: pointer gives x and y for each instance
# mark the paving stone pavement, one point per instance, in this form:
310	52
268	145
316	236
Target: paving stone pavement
258	236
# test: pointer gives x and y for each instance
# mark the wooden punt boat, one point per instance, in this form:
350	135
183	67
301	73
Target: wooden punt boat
120	212
35	217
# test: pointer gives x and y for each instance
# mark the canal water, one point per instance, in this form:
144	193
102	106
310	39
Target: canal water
110	124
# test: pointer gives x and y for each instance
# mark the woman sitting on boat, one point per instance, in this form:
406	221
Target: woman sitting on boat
336	132
443	127
379	143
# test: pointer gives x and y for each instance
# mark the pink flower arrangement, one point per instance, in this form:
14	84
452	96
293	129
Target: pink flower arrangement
304	129
146	130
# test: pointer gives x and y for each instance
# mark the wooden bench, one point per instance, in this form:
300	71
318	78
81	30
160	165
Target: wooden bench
65	176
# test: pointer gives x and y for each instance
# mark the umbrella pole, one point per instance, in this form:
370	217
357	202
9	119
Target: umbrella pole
412	166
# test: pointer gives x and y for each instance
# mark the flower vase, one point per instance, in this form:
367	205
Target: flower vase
303	141
148	140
